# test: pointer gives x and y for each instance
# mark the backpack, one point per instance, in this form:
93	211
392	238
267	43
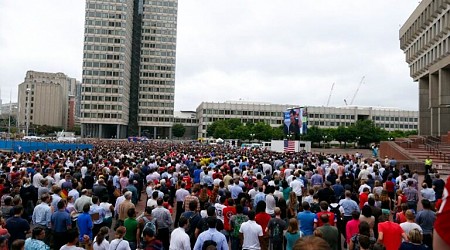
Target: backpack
337	215
148	224
191	228
209	244
239	219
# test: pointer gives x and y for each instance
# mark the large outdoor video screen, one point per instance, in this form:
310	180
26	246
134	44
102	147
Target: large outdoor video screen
296	121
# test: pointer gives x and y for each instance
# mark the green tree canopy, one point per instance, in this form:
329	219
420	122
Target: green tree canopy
178	130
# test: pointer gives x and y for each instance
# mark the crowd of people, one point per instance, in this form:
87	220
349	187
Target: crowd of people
183	196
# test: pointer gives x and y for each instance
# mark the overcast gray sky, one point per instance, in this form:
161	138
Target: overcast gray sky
286	52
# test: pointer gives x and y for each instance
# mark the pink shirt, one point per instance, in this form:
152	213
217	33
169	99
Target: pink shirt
352	229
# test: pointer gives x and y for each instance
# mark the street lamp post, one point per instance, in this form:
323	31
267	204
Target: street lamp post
289	136
324	140
251	136
357	140
391	139
27	120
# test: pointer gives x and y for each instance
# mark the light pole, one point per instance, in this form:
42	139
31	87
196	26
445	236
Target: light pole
28	91
391	139
324	140
289	136
252	135
357	140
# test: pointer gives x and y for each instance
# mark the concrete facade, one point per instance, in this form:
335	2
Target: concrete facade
128	68
425	39
47	101
322	117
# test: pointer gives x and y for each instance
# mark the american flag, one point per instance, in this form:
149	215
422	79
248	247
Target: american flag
289	146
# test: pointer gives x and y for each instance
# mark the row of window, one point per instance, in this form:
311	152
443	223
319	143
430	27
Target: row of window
156	97
103	65
165	39
429	57
107	6
161	17
158	90
101	98
103	56
159	75
104	48
146	25
155	112
430	10
101	90
105	15
104	23
158	46
102	107
159	31
102	73
103	31
101	115
102	81
185	120
156	104
158	60
103	40
241	112
158	67
172	11
157	82
332	116
154	119
396	119
158	53
161	3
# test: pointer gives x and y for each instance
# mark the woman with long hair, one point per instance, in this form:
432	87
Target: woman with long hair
386	202
292	234
363	230
292	205
203	197
100	242
119	243
366	216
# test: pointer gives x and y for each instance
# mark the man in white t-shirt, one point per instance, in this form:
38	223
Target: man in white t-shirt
251	232
297	186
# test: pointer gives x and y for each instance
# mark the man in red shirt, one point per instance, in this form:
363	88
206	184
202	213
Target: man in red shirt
324	210
390	234
363	197
229	211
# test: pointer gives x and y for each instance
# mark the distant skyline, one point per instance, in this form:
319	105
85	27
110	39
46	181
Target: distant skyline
287	53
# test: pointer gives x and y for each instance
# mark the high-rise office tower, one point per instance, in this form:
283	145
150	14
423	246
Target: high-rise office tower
129	68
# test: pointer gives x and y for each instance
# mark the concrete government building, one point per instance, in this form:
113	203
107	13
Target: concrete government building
128	83
48	99
322	117
425	38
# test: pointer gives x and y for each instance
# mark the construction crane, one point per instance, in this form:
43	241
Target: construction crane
356	92
331	92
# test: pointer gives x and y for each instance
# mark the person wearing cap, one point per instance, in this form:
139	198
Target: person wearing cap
36	242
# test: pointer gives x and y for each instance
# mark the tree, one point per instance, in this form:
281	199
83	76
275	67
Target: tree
343	134
178	130
221	131
277	133
262	131
314	134
241	132
367	132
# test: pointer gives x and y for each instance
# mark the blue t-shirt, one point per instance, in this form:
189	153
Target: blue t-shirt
85	225
197	173
306	219
60	221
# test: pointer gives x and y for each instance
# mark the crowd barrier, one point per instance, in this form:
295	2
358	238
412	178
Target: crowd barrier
28	146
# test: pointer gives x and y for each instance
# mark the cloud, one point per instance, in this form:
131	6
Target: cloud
287	52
